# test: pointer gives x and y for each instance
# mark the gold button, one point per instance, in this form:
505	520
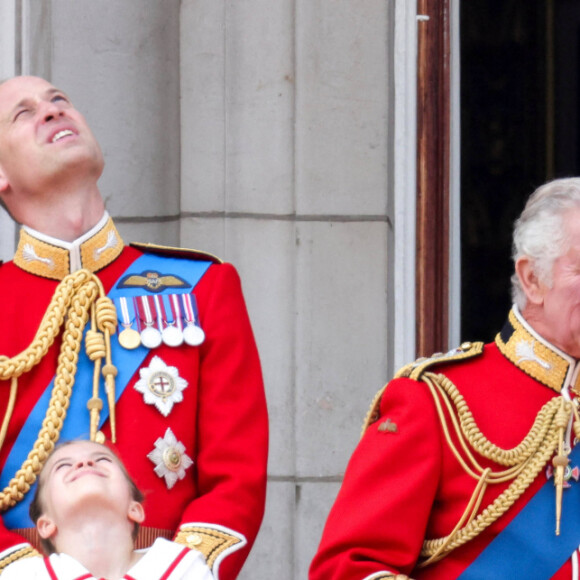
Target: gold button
100	437
465	346
194	540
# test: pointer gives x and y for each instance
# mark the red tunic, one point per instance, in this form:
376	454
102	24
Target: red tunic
222	420
404	485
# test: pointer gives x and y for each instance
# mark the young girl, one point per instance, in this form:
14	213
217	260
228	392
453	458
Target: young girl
87	512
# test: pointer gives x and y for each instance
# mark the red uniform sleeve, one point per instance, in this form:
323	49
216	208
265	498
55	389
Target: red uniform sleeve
380	516
232	424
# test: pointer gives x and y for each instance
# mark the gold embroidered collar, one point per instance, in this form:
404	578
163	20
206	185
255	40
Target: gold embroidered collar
539	359
55	259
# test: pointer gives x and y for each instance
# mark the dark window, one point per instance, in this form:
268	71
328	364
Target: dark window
519	127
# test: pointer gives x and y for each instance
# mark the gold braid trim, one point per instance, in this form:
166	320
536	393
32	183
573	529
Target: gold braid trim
525	461
75	298
211	542
27	552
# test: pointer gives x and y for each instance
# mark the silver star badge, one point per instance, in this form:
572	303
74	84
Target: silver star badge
160	385
170	458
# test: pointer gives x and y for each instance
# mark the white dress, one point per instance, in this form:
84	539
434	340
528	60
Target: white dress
164	560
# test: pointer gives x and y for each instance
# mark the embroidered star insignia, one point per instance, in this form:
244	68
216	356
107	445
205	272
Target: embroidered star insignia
170	458
160	385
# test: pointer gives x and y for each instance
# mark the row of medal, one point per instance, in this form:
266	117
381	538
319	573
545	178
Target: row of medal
170	319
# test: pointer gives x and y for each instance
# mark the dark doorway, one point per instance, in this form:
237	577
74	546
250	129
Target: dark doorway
519	127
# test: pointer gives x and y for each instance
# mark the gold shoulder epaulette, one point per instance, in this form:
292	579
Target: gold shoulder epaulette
417	368
212	541
176	252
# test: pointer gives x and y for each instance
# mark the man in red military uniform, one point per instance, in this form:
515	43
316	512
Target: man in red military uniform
467	466
167	369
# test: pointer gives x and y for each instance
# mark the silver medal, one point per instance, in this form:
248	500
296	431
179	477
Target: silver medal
150	337
193	335
172	336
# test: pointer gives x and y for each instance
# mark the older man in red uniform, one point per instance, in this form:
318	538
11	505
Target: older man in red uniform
147	347
467	466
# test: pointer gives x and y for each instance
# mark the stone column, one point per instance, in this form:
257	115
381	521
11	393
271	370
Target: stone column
286	173
119	61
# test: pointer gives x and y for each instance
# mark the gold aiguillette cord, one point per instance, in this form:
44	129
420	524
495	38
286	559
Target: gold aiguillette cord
560	461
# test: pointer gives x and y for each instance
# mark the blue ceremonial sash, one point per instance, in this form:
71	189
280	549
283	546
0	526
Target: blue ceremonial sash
528	546
76	424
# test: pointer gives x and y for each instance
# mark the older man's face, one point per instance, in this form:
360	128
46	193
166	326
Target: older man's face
561	301
41	135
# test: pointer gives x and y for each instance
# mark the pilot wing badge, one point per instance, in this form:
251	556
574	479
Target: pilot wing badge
152	281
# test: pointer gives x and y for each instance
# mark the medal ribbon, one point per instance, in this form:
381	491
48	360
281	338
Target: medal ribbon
146	313
127	311
76	424
161	314
175	309
190	308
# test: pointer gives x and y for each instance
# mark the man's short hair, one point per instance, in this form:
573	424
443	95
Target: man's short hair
539	232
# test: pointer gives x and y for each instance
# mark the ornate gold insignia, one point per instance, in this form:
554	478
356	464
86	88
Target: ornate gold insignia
531	354
52	261
153	281
170	458
102	248
41	258
214	542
